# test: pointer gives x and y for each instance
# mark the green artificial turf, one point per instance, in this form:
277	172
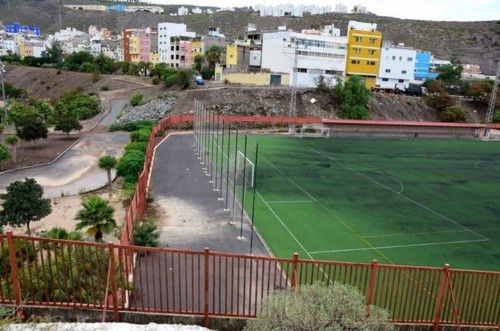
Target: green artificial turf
400	201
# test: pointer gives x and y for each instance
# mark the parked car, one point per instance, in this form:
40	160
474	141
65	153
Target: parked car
411	89
199	80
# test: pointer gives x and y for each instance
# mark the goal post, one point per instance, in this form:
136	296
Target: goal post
245	171
313	131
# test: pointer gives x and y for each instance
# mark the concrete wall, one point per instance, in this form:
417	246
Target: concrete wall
257	79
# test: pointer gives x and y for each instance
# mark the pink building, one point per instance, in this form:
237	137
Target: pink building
186	53
144	45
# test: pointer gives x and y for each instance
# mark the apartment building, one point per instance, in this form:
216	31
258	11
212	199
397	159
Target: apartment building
165	33
397	66
305	55
181	52
363	51
139	45
422	66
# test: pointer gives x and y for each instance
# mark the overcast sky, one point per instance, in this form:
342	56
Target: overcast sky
447	10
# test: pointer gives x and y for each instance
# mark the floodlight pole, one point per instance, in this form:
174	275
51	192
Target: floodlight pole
217	155
210	145
234	179
493	98
243	192
2	72
227	168
254	193
222	160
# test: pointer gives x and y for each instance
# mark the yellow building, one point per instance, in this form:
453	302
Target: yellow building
134	49
363	51
197	46
154	57
232	54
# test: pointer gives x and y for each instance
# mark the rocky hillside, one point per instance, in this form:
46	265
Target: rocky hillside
471	42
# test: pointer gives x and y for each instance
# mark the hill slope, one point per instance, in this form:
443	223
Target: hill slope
471	42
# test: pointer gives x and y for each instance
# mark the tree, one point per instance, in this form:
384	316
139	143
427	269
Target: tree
354	98
453	114
315	307
32	128
147	234
479	91
75	61
13	140
67	123
104	64
4	154
96	215
82	105
440	101
2	129
435	86
18	112
198	60
451	73
44	109
213	55
23	204
108	162
54	54
135	100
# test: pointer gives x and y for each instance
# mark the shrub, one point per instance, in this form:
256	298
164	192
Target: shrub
453	114
130	165
83	106
435	86
496	117
137	146
135	100
24	251
354	98
140	135
105	88
147	234
131	126
60	233
336	307
441	101
156	81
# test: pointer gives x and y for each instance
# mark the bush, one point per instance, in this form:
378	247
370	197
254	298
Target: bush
140	146
131	126
60	233
435	86
105	88
147	234
140	135
156	81
453	114
354	98
130	165
82	105
441	101
496	117
336	307
24	251
135	100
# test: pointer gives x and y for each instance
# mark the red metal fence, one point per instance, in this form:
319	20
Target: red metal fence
121	278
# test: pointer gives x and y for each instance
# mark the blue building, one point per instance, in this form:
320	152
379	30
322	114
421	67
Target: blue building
422	66
17	27
117	8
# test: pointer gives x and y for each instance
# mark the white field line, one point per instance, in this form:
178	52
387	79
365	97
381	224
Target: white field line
292	201
423	233
291	180
398	246
404	196
284	225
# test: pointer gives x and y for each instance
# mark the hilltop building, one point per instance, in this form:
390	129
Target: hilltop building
397	66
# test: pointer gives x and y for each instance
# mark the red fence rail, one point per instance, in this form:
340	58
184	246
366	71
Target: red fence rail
120	278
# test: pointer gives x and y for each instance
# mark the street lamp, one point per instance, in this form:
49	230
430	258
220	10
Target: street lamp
2	72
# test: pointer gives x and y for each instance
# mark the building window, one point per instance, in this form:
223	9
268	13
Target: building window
357	51
371	52
401	81
177	57
355	62
171	57
394	58
400	58
370	63
171	48
388	70
373	40
403	72
385	79
410	59
303	70
358	39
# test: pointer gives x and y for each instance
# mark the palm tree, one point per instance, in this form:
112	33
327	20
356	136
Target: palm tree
108	162
97	215
12	140
213	55
2	129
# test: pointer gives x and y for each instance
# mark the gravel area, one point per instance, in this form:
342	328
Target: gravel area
100	327
154	110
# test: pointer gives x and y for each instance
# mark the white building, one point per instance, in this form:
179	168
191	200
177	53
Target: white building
67	34
397	66
436	63
360	9
181	11
340	8
305	56
8	46
95	45
167	31
197	10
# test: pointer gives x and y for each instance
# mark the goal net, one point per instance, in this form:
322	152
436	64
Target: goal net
245	171
314	131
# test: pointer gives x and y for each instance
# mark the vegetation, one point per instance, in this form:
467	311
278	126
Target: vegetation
108	163
496	117
12	92
67	122
32	128
130	165
147	234
60	233
441	101
312	307
4	154
130	126
12	141
354	98
198	60
77	104
479	91
96	215
453	114
212	55
24	203
451	73
135	100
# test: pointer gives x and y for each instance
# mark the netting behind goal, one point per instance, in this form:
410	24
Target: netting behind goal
314	131
245	171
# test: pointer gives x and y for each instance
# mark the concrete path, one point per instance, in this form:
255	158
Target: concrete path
77	170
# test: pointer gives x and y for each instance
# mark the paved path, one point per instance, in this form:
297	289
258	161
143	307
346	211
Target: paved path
77	170
193	218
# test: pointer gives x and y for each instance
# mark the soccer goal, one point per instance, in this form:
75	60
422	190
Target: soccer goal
314	131
245	171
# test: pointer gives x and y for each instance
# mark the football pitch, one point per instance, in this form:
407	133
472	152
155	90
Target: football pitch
400	201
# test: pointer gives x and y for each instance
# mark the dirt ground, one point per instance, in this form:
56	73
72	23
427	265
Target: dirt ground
46	150
64	210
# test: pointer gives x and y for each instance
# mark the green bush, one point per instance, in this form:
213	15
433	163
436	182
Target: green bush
440	101
336	307
137	146
496	117
130	165
354	98
135	100
60	233
25	252
147	234
131	126
453	114
140	135
155	81
82	105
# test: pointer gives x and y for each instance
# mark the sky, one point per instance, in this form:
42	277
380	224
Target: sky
441	10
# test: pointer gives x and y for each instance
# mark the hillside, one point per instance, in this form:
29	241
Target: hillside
471	42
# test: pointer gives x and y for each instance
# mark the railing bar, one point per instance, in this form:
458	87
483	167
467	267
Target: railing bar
186	301
238	289
173	282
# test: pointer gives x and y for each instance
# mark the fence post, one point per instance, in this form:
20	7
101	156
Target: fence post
207	285
112	276
440	297
15	276
294	269
373	274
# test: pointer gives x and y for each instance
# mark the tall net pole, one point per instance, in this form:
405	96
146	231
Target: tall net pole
243	189
217	154
222	160
254	195
493	98
234	170
227	167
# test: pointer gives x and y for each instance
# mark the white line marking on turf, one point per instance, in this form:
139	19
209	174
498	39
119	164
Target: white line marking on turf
292	201
399	246
404	196
291	180
284	225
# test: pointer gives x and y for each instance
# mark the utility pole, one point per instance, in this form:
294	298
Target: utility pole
293	97
2	72
493	98
60	14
